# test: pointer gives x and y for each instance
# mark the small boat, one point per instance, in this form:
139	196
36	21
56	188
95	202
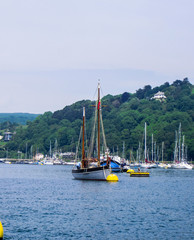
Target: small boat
127	169
180	159
163	165
7	162
152	165
181	165
47	162
139	174
146	163
69	163
114	164
57	162
90	168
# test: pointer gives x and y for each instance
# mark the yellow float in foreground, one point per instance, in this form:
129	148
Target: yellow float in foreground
1	231
112	178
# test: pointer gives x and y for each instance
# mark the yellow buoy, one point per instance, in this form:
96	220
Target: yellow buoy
130	171
1	231
112	178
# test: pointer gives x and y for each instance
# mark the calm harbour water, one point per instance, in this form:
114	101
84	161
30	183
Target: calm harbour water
45	202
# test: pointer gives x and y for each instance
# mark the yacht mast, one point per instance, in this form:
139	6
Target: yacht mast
162	151
145	144
179	142
183	146
123	149
83	131
152	147
50	151
98	110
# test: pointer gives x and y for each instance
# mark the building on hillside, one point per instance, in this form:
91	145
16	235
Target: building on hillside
7	136
68	155
159	96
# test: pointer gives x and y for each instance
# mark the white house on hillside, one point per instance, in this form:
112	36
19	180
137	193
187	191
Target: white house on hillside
159	96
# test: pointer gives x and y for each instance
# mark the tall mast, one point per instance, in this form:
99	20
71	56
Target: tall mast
162	151
139	152
155	151
179	142
152	147
83	132
98	109
175	148
123	149
183	146
50	151
145	143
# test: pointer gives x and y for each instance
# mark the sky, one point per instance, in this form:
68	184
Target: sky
53	52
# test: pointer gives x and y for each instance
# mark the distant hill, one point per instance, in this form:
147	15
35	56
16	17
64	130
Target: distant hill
124	118
20	118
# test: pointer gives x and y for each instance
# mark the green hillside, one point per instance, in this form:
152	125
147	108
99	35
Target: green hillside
124	118
20	118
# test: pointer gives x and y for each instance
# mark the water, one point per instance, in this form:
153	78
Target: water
44	202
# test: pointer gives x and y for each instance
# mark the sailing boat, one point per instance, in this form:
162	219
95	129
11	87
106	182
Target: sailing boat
180	161
147	163
89	168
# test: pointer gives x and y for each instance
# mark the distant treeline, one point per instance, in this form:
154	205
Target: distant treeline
124	117
20	118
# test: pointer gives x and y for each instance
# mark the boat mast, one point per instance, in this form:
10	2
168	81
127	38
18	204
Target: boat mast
50	151
98	110
139	152
162	152
175	147
123	149
152	147
145	144
179	142
183	146
83	131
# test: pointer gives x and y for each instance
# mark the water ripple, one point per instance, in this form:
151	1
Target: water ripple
44	202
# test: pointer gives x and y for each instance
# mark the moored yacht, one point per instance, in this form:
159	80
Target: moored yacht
90	168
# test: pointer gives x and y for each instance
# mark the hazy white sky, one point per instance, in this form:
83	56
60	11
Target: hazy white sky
52	52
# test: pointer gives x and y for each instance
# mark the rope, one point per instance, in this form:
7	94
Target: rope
77	149
91	147
103	133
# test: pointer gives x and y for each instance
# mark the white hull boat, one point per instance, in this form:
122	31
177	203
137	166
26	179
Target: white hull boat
89	168
181	165
97	173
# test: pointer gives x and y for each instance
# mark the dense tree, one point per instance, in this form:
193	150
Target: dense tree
125	96
124	117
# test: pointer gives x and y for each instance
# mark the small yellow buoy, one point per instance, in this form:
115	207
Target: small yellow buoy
1	231
130	171
112	178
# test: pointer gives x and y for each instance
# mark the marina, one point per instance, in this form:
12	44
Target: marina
97	120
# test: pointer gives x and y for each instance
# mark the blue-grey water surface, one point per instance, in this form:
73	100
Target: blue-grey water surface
45	202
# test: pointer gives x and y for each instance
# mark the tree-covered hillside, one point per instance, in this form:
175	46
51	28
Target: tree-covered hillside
124	118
